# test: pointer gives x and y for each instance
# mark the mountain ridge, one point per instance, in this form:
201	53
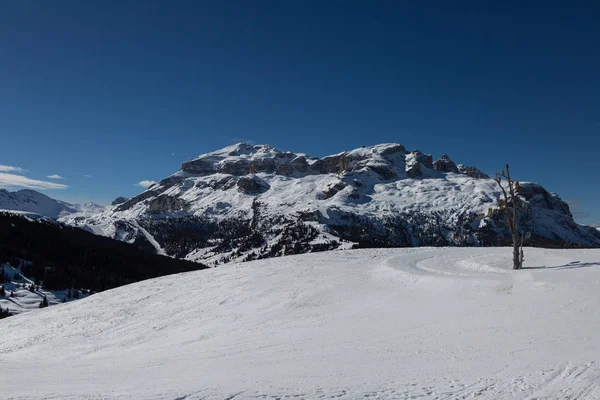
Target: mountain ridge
247	201
32	201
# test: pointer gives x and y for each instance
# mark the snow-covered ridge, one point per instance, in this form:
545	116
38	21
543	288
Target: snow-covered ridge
252	201
34	202
30	201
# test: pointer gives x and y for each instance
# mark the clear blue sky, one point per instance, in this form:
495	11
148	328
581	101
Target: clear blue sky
125	91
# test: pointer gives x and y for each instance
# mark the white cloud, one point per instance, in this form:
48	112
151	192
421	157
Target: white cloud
87	176
55	176
145	183
12	180
8	168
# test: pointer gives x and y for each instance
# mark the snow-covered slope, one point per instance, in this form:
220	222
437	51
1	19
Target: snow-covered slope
19	298
427	323
248	202
35	202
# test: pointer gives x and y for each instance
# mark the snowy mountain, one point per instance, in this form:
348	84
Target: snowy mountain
248	202
426	323
35	202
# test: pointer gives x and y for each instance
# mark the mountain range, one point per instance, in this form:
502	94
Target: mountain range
247	202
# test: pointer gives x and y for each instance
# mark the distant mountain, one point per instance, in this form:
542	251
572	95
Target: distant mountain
253	201
35	202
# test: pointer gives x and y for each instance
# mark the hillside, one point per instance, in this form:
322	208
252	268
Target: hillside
63	258
427	323
248	202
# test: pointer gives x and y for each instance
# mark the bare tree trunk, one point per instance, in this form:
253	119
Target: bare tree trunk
511	220
516	254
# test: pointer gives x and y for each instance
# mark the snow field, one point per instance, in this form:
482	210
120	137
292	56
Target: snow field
444	323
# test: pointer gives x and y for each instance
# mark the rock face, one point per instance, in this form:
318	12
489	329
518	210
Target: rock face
245	202
416	161
472	172
119	200
445	164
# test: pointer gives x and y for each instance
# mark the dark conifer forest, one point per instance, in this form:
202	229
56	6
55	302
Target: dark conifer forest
63	257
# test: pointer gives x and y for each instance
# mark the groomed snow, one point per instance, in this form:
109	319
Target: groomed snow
425	323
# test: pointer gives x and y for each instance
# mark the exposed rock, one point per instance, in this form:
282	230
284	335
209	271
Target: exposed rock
299	164
536	195
414	160
445	164
198	166
332	191
135	200
385	172
284	169
224	183
266	165
253	185
423	158
169	182
472	172
164	203
236	167
119	200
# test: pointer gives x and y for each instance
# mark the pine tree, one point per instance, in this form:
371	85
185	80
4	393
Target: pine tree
32	288
44	302
2	291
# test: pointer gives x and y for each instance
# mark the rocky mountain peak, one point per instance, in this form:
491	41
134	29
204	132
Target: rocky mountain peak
445	164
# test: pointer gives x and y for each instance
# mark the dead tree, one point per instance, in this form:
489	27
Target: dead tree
511	204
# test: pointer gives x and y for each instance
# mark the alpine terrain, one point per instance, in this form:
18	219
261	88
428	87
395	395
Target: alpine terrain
248	202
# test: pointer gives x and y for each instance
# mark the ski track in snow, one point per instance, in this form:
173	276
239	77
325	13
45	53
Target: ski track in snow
452	323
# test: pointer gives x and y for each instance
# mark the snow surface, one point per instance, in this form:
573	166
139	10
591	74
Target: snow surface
444	323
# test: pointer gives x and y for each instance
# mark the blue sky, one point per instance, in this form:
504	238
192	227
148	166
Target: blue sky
109	93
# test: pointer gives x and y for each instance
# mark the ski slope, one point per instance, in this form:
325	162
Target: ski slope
443	323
